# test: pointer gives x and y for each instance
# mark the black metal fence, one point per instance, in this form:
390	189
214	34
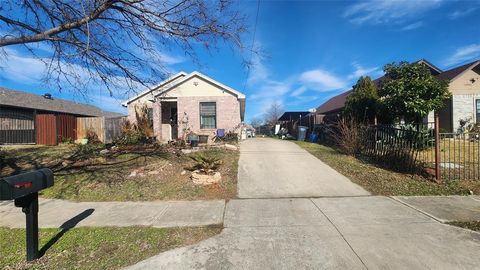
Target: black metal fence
459	156
411	147
396	146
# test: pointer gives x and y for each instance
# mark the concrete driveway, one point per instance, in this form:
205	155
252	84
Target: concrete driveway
344	232
271	168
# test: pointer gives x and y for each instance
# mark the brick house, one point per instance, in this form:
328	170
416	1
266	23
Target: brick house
190	102
464	84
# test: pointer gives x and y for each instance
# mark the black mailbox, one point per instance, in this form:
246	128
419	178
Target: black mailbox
24	188
14	187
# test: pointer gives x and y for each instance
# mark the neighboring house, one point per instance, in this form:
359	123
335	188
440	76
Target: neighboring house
28	118
291	116
291	120
187	103
464	84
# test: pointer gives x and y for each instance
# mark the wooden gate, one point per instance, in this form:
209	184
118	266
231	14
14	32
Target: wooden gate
66	127
46	126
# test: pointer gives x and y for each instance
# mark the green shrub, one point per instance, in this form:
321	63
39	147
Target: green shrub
206	163
132	137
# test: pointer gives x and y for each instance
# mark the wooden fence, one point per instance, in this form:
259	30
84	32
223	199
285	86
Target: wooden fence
113	128
17	125
66	127
46	129
107	129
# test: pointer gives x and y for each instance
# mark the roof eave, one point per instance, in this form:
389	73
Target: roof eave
473	65
236	93
153	88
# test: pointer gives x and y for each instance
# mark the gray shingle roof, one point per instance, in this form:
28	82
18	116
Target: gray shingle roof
21	99
454	72
286	116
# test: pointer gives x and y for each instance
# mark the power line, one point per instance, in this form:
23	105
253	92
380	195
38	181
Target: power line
253	44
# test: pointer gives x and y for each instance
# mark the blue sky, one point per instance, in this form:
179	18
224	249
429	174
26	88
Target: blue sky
309	50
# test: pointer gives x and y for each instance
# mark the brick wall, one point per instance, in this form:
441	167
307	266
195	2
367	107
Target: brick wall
463	108
228	113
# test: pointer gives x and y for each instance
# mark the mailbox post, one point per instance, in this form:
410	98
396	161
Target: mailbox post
24	188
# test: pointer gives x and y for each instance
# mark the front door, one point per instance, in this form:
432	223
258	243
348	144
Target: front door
173	123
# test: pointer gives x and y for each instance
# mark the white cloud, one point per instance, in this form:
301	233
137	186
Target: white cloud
15	65
258	71
270	89
412	26
461	13
386	11
108	103
463	54
299	91
321	80
168	59
361	71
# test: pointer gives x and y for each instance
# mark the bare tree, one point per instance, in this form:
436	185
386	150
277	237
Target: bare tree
256	122
115	42
273	113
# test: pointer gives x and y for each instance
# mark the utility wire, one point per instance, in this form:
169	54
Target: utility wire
253	44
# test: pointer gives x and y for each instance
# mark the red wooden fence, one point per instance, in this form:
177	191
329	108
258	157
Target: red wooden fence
66	127
46	129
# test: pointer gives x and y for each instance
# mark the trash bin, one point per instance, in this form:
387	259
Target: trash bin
313	137
302	133
193	140
194	143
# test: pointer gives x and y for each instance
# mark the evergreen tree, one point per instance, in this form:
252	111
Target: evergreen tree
362	103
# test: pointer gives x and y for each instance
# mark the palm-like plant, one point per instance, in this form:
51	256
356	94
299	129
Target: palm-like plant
206	163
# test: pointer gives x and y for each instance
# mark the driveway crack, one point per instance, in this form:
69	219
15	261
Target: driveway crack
336	228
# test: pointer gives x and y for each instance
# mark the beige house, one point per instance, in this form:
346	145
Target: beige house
190	102
464	84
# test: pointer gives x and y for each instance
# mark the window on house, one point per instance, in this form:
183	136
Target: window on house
478	110
208	115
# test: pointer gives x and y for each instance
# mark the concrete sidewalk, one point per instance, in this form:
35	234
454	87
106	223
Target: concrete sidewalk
445	208
326	233
55	213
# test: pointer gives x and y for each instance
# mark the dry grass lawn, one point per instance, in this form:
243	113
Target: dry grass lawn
380	181
96	248
82	173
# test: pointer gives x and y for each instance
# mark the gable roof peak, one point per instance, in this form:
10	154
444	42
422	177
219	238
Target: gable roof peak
430	65
155	87
453	73
238	94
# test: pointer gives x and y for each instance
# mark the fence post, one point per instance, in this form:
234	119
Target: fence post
437	148
375	124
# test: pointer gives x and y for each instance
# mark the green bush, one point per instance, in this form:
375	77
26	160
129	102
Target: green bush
132	137
206	163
